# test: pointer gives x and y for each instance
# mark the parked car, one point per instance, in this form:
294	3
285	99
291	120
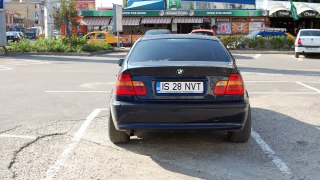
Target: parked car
21	34
270	32
102	37
31	33
157	31
207	32
13	36
179	82
56	32
308	41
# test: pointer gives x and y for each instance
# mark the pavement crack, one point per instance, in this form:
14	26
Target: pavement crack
9	129
15	154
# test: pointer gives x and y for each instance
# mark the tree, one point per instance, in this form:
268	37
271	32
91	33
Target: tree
67	13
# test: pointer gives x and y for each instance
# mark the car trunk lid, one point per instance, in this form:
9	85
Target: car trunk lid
179	80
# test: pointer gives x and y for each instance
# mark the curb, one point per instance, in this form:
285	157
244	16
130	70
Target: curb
56	53
261	52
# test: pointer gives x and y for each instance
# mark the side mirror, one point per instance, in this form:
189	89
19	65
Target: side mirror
120	62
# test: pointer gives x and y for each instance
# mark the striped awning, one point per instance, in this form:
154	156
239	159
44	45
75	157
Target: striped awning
188	20
306	11
156	20
129	21
95	21
273	8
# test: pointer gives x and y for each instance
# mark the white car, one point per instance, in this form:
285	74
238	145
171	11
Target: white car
308	41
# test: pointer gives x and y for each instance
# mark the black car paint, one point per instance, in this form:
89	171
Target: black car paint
186	111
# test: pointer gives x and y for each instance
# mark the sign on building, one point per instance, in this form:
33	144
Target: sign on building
173	4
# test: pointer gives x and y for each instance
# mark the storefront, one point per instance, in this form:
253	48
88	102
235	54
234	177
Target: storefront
137	22
280	15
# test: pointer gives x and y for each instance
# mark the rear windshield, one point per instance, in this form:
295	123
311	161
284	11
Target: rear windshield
160	31
11	33
309	33
203	33
179	50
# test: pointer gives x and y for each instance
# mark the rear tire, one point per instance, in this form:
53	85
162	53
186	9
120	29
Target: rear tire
296	55
116	136
243	135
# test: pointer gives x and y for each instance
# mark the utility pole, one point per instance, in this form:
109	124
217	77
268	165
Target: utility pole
48	18
27	15
3	39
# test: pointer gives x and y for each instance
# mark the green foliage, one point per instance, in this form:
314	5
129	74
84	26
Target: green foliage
233	42
67	13
75	44
95	47
238	41
22	46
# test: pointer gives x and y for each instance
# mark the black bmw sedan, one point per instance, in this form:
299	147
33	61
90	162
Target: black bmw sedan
179	82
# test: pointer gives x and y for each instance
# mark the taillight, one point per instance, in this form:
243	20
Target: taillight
299	42
125	86
220	87
234	86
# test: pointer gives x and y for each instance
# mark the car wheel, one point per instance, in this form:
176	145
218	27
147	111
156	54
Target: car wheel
243	135
116	136
296	55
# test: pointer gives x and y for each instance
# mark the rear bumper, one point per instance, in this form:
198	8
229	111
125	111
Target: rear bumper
307	49
163	115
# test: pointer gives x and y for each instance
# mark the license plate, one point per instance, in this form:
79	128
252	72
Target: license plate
179	87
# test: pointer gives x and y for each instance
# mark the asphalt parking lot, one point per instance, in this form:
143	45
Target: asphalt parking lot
53	124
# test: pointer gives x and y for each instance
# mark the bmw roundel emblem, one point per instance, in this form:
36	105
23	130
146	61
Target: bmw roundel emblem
180	71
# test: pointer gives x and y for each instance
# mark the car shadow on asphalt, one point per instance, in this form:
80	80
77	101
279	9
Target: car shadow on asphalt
208	155
90	59
312	56
279	71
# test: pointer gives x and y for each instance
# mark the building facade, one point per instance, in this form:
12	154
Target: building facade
25	14
9	14
226	17
280	14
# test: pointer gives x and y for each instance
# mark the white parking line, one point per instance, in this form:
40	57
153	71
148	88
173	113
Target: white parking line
270	81
283	93
309	87
312	82
95	85
257	56
16	136
54	168
77	91
5	68
271	154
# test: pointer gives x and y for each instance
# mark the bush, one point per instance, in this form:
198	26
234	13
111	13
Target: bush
95	47
22	46
238	41
62	44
